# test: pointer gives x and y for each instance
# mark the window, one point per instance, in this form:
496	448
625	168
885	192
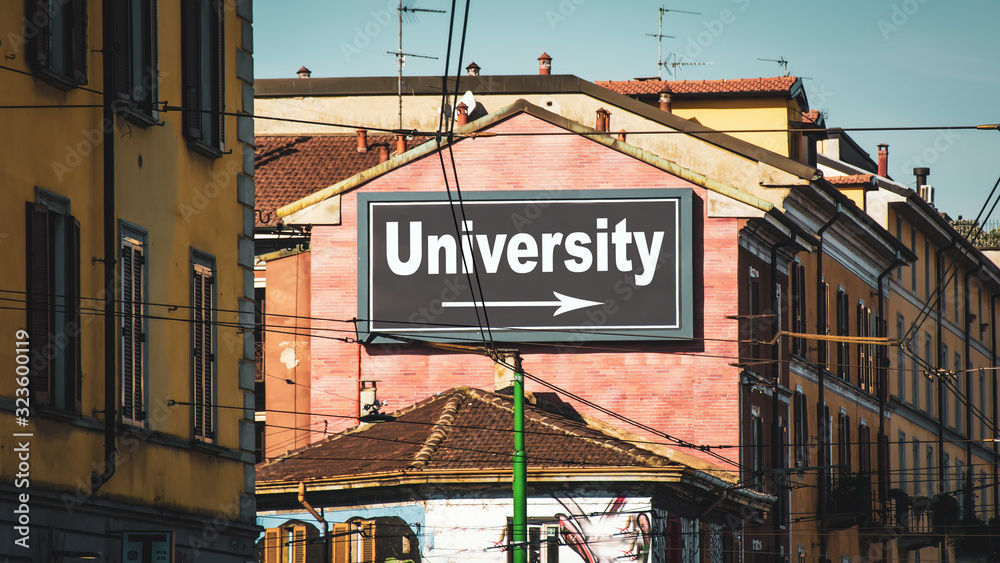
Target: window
798	307
902	461
53	301
843	329
916	467
899	237
982	405
543	541
133	324
828	448
946	474
801	430
913	267
900	359
979	316
957	306
204	73
203	346
942	367
984	507
755	324
960	392
928	383
864	449
136	67
757	451
927	269
866	364
844	445
930	470
57	50
916	372
824	327
960	485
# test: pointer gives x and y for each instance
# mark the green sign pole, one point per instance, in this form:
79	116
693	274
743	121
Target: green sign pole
520	464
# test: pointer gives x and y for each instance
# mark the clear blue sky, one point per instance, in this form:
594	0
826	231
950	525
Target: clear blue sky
869	63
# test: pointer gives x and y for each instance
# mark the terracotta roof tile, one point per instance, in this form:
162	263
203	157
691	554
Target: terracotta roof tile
851	180
289	168
465	428
811	116
776	85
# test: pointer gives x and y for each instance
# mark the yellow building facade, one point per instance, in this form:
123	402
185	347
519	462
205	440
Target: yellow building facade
128	222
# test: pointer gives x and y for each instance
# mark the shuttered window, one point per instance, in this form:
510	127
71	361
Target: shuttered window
366	542
52	303
341	542
203	54
801	430
57	41
136	65
203	348
797	311
133	327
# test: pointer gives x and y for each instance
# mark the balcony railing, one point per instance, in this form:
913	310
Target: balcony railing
850	502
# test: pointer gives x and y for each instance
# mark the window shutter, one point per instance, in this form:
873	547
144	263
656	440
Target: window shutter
341	542
203	357
191	61
367	554
79	46
74	393
154	65
133	339
37	11
298	544
39	298
220	56
123	49
272	545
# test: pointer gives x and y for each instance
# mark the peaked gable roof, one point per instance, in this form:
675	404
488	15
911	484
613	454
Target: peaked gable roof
479	129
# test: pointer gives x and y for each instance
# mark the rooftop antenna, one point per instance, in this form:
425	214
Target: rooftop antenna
781	61
659	39
407	11
676	63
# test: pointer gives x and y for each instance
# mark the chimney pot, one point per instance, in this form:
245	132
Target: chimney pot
665	102
362	140
921	174
883	160
545	64
473	69
603	120
400	144
383	152
621	135
304	73
463	113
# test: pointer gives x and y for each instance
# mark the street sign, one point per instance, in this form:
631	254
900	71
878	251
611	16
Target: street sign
552	266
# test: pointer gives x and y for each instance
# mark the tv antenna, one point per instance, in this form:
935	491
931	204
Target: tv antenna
781	61
407	11
659	39
676	63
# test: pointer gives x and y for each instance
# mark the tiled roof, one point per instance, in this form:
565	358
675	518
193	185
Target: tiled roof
463	429
811	116
289	168
776	85
852	180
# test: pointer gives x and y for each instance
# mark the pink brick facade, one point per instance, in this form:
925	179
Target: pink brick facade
687	388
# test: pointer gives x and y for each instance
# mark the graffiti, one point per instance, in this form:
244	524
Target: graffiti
610	536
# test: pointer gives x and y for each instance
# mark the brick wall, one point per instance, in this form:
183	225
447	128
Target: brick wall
686	388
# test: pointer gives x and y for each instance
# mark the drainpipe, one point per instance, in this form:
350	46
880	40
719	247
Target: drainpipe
776	355
968	384
821	376
97	480
996	446
939	307
318	517
881	328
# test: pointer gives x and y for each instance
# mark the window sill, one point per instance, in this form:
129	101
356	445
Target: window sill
57	80
56	413
207	447
126	109
204	149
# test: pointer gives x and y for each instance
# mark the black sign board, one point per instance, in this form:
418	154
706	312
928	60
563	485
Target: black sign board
552	266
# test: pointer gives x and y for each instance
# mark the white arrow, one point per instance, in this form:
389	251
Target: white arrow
564	302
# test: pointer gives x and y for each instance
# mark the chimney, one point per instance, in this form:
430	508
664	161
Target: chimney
463	113
545	64
362	140
603	116
383	152
400	144
304	72
473	69
925	191
921	174
883	160
621	135
503	375
665	103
